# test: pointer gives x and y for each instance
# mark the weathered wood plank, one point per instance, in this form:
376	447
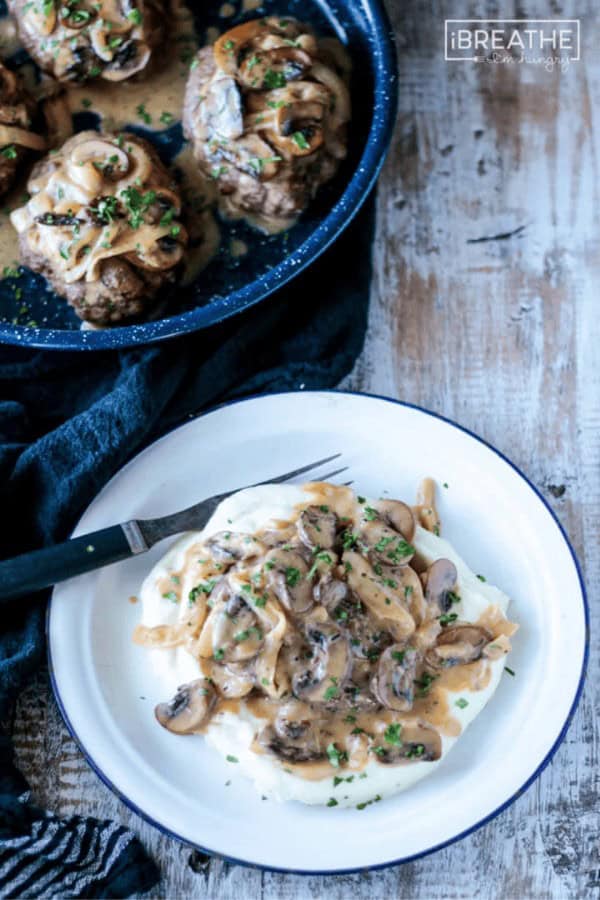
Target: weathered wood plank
501	334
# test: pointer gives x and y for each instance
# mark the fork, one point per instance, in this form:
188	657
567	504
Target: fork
31	572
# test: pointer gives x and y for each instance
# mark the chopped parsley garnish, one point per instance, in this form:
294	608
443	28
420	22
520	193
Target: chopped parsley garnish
219	654
447	618
333	691
204	588
231	759
292	576
398	655
482	577
137	204
402	549
320	557
171	595
274	80
143	114
324	509
332	802
461	703
383	543
349	540
392	734
416	751
424	683
300	140
135	16
370	513
9	152
336	757
167	118
258	162
248	633
105	209
452	598
510	671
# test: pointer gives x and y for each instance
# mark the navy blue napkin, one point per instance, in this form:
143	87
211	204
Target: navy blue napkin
67	423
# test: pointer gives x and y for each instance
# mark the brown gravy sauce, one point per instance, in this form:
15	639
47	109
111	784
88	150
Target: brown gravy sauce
351	727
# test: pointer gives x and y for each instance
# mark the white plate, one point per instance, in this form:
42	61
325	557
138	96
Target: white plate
494	517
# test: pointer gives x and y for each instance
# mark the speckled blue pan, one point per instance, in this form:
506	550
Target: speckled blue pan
35	317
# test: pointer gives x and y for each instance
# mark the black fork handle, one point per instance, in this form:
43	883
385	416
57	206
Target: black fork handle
41	568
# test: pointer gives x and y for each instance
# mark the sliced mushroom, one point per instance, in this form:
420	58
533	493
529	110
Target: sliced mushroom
393	683
237	635
189	709
419	742
232	546
267	69
323	677
294	736
387	546
331	593
407	584
457	646
132	57
383	602
100	150
399	516
263	54
317	527
440	582
287	575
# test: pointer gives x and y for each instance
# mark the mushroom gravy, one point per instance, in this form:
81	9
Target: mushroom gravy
302	125
337	632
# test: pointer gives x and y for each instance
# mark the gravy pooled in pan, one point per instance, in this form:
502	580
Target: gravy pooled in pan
80	40
103	225
337	637
17	110
266	109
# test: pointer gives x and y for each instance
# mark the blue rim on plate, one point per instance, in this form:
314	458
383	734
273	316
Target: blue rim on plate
393	862
385	94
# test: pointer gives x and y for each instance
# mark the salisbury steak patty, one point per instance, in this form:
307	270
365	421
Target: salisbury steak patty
102	225
16	137
81	39
266	108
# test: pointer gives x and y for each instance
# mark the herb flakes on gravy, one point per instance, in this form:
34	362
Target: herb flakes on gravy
334	646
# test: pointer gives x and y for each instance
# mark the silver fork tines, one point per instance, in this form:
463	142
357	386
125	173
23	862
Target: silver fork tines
331	474
289	475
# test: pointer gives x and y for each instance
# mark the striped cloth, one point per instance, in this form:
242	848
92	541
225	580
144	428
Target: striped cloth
44	856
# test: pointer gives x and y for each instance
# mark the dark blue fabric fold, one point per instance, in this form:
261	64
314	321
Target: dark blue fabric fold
68	422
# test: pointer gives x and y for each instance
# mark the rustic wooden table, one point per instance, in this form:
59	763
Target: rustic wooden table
484	308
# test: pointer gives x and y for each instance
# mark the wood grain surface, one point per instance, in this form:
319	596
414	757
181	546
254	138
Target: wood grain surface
485	308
